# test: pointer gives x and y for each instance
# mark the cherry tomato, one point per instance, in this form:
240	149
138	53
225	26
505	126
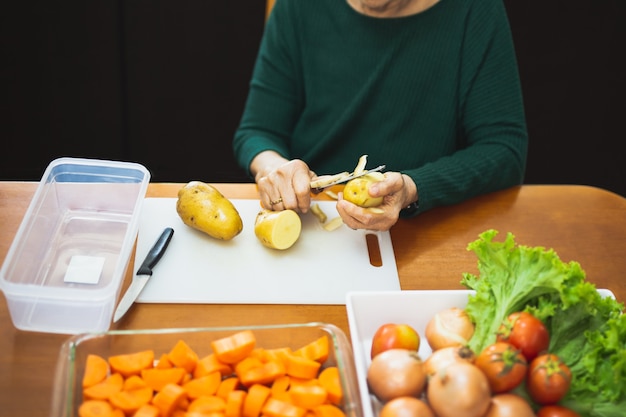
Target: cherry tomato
504	366
526	332
556	411
548	379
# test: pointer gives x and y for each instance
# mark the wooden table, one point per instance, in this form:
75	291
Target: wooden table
581	223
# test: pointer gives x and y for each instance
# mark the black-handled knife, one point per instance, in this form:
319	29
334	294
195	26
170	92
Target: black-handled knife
143	273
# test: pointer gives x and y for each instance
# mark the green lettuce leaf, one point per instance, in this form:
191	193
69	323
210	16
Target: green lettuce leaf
587	331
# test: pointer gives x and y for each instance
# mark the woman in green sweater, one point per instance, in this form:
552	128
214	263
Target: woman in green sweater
429	88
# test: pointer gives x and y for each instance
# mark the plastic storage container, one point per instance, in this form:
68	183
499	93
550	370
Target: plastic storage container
64	269
67	395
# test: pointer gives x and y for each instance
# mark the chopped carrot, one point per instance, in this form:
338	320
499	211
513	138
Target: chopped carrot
264	374
207	404
130	401
226	386
168	399
95	408
164	362
157	378
118	413
132	363
330	379
302	367
147	410
328	410
234	403
103	390
308	396
133	382
317	350
183	356
204	386
232	349
255	400
278	354
96	370
277	408
246	364
210	364
280	386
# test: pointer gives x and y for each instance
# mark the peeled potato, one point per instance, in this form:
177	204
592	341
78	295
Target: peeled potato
202	207
277	229
356	191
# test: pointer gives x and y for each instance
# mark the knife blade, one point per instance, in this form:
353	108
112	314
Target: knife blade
144	273
316	189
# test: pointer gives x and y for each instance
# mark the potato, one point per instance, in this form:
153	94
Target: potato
202	207
356	191
277	229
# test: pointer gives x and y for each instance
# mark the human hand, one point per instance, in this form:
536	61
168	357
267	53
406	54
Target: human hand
398	191
285	185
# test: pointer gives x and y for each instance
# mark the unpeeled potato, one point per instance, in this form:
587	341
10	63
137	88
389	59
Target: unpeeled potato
202	207
277	229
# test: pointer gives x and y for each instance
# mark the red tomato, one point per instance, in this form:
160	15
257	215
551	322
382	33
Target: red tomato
503	365
394	336
556	411
548	379
526	332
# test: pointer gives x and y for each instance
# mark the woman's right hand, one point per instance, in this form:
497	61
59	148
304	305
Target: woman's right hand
283	184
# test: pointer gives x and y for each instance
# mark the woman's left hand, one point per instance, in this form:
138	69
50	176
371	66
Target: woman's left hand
398	191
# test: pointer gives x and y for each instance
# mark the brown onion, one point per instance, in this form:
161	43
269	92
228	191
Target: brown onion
440	359
406	407
509	405
459	390
396	373
449	327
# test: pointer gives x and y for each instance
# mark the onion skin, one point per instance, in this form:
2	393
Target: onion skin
396	373
509	405
449	327
460	390
442	358
406	407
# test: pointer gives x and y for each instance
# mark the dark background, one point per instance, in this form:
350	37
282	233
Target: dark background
163	83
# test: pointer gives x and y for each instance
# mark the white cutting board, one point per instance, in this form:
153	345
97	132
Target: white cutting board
321	267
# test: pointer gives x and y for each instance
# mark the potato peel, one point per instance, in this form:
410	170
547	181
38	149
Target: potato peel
360	166
319	213
333	224
328	180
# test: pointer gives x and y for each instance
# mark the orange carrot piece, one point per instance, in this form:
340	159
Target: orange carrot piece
278	354
277	408
330	379
231	349
204	386
302	367
96	370
118	413
318	350
183	356
130	401
255	400
132	363
95	408
264	374
226	386
209	364
168	399
157	378
208	404
133	382
234	403
280	386
308	396
328	410
164	362
103	390
247	363
147	410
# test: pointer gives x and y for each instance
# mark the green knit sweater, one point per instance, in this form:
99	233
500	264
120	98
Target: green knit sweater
435	95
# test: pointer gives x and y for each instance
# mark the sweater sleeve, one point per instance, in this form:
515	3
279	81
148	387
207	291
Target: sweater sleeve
275	96
493	137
